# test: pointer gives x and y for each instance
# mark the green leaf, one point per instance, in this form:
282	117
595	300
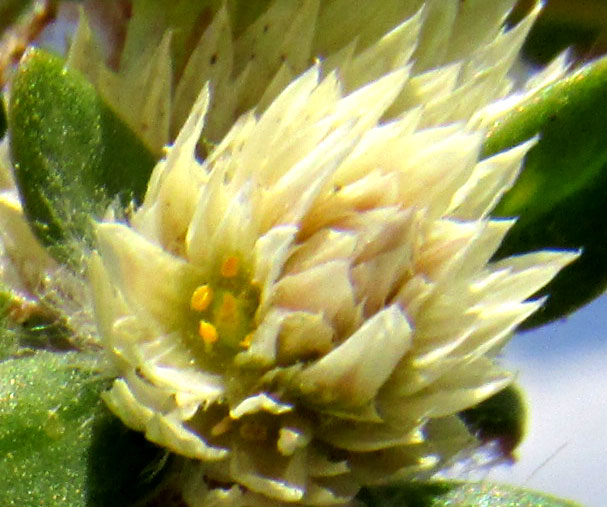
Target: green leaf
451	493
500	419
9	343
72	154
560	195
59	445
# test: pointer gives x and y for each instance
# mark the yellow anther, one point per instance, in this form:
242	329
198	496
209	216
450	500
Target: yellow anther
208	332
201	298
227	310
230	267
246	341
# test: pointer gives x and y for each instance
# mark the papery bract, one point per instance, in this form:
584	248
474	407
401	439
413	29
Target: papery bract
306	311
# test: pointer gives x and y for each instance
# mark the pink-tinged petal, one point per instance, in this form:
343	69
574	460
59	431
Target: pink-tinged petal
325	245
325	289
304	335
352	373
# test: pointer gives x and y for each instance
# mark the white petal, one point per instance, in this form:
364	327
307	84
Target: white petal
488	182
371	437
205	387
522	276
121	402
136	266
263	349
459	389
173	190
260	402
145	101
271	252
439	18
390	52
27	256
478	22
291	196
320	465
326	245
108	305
283	478
166	432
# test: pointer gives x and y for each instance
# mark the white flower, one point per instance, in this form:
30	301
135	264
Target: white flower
307	310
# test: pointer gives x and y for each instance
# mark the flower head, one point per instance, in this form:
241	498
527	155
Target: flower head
307	310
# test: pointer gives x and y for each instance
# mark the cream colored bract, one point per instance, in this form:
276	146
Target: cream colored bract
307	310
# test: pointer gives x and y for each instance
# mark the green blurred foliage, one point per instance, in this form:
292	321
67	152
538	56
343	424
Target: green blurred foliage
577	24
500	419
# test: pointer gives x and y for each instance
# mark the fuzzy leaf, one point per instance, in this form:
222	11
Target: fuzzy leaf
59	445
72	155
560	197
462	494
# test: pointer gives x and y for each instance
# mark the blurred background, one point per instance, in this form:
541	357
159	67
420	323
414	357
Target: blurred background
562	367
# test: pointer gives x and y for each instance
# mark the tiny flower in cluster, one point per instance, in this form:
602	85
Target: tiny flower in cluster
306	311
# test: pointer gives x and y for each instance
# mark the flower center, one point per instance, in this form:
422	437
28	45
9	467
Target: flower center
225	307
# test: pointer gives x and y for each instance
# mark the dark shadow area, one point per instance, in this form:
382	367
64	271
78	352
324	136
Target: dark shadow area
123	466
